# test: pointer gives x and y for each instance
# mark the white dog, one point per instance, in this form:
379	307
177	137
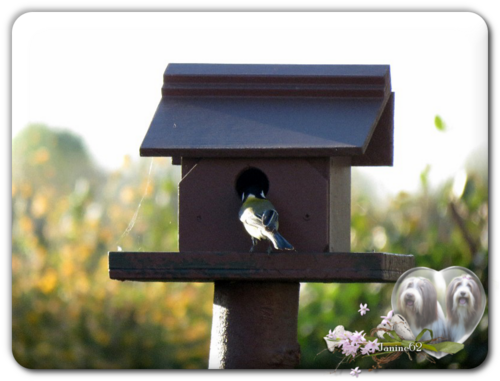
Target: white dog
418	303
463	305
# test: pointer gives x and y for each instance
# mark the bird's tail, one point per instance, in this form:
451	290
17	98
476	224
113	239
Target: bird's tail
279	242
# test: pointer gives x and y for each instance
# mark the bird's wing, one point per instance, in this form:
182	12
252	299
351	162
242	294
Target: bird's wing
270	219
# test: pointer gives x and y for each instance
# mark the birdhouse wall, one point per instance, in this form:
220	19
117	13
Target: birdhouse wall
209	203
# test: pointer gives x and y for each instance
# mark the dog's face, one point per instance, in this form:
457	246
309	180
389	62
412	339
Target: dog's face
463	296
418	301
410	298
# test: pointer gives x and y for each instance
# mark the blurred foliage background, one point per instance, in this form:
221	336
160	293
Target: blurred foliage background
67	213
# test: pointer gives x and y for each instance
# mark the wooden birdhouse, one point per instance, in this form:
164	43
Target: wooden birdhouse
296	131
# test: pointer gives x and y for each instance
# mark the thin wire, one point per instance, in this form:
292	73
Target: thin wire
136	214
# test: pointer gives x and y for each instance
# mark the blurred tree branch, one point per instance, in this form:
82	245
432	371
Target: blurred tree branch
463	229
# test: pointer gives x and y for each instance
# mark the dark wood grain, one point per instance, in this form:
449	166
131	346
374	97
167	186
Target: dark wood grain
293	267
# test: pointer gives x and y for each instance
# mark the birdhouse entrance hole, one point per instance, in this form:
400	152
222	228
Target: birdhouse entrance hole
251	177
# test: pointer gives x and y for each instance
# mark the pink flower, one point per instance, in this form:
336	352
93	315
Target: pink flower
345	338
372	346
387	319
355	372
331	335
349	349
363	309
358	337
365	350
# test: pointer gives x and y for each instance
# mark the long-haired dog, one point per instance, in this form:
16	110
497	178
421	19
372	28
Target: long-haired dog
417	302
463	306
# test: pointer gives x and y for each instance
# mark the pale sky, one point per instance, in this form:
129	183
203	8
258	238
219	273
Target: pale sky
100	74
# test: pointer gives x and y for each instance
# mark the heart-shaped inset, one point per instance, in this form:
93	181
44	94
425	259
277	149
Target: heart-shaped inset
449	302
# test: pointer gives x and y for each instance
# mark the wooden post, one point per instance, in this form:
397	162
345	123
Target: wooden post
254	326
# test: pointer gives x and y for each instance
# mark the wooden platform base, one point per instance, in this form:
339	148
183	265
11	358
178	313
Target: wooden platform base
275	267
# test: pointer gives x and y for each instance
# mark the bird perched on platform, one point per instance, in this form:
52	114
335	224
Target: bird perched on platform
260	220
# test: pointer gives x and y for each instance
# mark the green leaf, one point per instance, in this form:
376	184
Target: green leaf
424	176
422	334
389	338
449	347
439	123
429	347
381	353
406	343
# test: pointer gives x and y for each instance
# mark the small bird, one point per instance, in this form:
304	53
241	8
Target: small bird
260	220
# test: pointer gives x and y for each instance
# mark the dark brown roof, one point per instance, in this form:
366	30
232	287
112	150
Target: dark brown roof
210	110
